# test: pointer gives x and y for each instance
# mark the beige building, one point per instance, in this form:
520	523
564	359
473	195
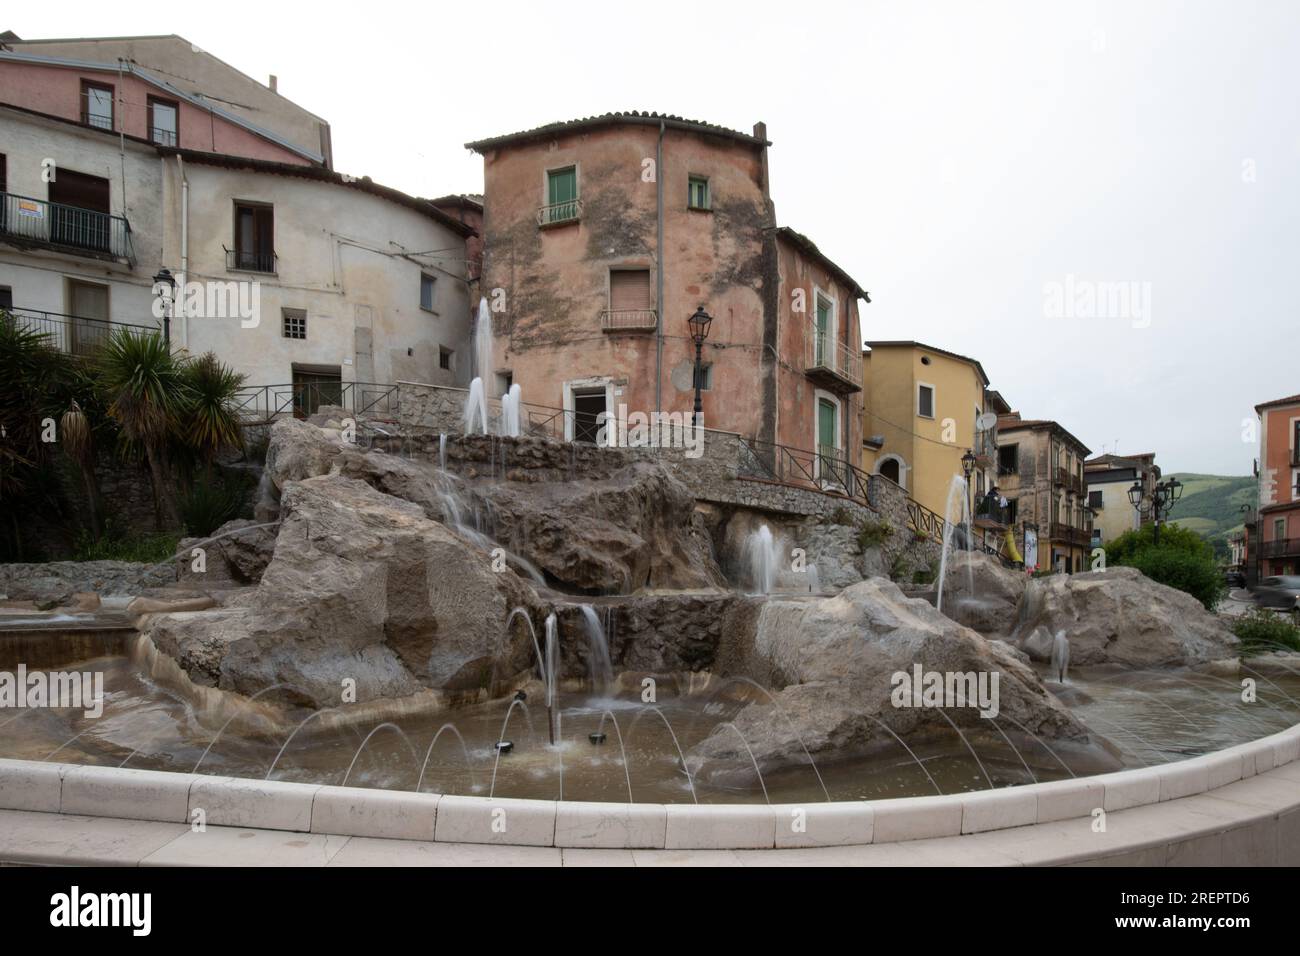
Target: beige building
1041	472
1109	479
922	411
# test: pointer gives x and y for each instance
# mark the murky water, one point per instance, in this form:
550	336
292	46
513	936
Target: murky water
1151	716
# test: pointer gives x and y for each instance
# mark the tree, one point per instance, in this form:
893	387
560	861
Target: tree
210	419
1182	560
148	391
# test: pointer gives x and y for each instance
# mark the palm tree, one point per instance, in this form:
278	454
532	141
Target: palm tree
148	392
211	421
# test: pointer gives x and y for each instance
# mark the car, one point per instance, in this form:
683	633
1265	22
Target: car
1234	579
1281	591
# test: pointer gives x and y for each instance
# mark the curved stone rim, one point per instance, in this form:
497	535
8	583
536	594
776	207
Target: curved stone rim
164	796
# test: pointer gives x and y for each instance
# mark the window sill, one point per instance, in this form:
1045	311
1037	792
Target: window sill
699	209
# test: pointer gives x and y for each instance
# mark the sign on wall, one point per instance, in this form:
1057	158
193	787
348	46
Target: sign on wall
1031	549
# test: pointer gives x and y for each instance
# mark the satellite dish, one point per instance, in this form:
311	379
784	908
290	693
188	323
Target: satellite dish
986	421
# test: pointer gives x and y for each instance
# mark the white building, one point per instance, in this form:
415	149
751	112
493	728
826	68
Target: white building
353	282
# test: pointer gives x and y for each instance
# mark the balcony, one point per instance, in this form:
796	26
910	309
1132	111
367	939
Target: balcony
629	320
76	336
1076	484
559	213
1060	477
251	260
1076	537
1280	548
51	225
832	364
985	448
990	515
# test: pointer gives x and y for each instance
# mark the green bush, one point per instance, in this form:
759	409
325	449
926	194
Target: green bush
211	503
1126	546
1196	574
144	548
1262	631
872	534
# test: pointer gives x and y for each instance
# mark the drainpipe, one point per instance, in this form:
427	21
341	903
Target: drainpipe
185	248
659	272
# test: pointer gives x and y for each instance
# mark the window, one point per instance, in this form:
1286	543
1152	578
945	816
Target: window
1008	459
88	302
925	401
1094	500
164	121
444	359
629	290
561	195
97	104
426	292
254	238
294	323
824	329
1013	510
6	297
706	377
1279	529
72	223
697	196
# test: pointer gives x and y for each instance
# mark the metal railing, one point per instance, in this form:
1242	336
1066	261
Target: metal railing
985	446
251	260
824	470
629	320
66	227
163	137
1280	548
555	213
989	510
73	334
829	356
261	403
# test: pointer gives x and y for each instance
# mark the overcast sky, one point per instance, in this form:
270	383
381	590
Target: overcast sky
981	168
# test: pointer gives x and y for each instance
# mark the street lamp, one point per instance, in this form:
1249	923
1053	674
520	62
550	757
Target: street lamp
167	281
699	324
1161	501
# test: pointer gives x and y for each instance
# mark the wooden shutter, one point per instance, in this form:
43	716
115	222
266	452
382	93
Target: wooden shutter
629	290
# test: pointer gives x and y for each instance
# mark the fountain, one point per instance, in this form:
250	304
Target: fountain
476	407
763	555
958	489
600	670
1060	656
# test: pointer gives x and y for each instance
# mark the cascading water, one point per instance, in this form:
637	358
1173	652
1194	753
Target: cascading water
476	407
1060	656
551	667
483	341
763	555
442	452
957	494
600	669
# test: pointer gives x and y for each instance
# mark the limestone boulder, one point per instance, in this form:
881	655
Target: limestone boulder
834	663
981	593
636	529
1120	616
298	450
362	588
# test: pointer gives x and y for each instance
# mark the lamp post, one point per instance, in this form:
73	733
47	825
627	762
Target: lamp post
1158	504
699	324
167	281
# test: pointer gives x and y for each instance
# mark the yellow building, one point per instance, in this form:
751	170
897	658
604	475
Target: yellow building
921	406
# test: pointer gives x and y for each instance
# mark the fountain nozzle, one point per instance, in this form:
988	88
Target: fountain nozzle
504	746
596	737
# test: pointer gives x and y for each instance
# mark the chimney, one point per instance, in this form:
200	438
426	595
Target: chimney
272	83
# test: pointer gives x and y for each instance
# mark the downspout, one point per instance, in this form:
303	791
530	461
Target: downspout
659	272
185	249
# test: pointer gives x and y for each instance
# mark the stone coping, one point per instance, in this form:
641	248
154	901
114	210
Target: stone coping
160	796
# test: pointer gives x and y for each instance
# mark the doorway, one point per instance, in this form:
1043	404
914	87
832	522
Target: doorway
588	413
314	386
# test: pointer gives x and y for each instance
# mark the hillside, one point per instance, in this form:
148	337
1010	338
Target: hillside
1211	505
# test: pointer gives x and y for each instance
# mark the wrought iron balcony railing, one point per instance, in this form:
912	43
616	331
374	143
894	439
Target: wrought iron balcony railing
251	260
261	403
555	214
58	226
831	362
75	335
629	320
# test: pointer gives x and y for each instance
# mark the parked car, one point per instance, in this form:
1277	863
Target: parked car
1281	591
1234	579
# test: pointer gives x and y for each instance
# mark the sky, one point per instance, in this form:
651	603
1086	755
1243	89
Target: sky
1099	201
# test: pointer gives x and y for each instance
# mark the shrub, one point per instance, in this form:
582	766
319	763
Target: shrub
211	503
1195	573
143	548
872	534
1262	631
